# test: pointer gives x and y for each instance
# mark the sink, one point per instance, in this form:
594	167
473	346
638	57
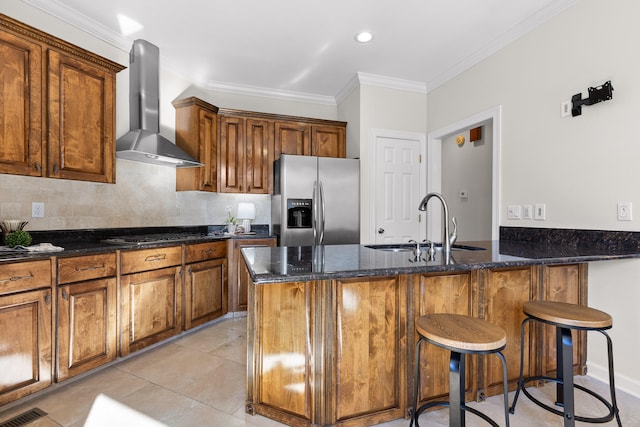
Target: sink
408	247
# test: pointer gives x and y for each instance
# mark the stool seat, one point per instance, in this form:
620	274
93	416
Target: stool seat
461	333
569	315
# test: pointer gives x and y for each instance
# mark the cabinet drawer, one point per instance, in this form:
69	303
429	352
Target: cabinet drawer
22	276
88	267
151	259
205	251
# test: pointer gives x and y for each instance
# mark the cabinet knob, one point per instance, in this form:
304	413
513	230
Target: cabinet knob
37	166
380	230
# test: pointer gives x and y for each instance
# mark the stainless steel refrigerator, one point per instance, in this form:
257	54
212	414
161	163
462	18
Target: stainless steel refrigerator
316	200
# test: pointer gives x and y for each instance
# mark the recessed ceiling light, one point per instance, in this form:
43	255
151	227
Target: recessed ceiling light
364	37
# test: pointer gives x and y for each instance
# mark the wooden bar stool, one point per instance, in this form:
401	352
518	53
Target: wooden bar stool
461	335
566	317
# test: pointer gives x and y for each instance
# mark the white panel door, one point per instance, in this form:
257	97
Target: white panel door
397	188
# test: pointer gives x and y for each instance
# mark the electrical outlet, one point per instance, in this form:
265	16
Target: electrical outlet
539	211
37	210
513	211
624	211
527	212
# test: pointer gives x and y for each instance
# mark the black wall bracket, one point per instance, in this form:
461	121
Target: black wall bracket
596	94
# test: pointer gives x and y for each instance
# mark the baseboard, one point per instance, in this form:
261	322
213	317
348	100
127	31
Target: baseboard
623	382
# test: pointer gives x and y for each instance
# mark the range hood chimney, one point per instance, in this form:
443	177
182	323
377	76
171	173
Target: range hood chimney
143	143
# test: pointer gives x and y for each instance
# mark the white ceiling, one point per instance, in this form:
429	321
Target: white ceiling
307	47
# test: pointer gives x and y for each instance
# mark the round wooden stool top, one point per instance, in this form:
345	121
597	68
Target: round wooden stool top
458	332
570	315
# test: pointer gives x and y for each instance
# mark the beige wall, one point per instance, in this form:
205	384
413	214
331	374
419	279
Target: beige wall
388	109
579	167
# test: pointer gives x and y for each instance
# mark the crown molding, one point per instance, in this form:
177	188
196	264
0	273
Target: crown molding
524	27
270	93
73	17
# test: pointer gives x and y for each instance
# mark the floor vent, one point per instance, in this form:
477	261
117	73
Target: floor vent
24	418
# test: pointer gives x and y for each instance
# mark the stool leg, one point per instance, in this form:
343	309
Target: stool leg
456	389
512	409
612	385
505	384
564	370
416	382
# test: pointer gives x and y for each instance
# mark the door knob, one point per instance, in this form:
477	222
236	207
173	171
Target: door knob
381	230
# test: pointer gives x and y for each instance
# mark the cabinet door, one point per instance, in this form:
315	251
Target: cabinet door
151	307
506	291
81	114
205	292
564	283
20	106
232	150
238	282
208	136
328	141
87	331
25	344
292	138
259	156
370	347
449	293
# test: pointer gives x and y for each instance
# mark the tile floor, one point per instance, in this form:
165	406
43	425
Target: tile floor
198	380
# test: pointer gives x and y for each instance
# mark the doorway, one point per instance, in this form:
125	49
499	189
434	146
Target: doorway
397	189
491	121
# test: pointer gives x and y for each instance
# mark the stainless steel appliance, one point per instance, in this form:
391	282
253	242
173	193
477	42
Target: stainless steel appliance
316	200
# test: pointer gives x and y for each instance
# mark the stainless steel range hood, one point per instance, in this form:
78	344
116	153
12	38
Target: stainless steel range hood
143	143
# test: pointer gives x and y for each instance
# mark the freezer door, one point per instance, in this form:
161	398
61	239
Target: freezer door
339	200
298	174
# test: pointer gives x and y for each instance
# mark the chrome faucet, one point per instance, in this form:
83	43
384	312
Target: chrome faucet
447	241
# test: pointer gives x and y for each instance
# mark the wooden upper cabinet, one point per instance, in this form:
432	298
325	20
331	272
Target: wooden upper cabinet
310	139
197	134
57	114
246	155
292	138
20	106
328	141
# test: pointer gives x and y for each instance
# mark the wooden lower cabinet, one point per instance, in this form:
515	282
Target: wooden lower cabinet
205	283
329	352
151	307
26	316
350	343
238	281
505	292
87	329
564	283
438	293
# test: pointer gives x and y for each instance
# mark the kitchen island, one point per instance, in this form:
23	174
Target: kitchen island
331	328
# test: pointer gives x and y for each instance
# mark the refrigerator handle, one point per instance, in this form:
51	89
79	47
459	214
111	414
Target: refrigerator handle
314	214
323	212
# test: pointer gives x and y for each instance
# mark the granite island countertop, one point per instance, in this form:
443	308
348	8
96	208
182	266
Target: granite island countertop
304	263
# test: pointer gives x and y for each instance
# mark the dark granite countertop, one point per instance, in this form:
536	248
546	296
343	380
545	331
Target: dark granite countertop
88	242
288	264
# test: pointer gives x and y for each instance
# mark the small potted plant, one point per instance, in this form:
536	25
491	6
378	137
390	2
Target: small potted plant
230	221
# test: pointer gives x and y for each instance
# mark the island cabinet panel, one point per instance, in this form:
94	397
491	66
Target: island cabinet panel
563	283
284	315
441	293
504	292
26	316
369	348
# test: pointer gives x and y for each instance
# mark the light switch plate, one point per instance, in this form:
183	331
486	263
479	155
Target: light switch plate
527	212
540	211
624	211
514	211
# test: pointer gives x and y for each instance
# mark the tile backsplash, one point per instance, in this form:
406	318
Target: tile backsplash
143	196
